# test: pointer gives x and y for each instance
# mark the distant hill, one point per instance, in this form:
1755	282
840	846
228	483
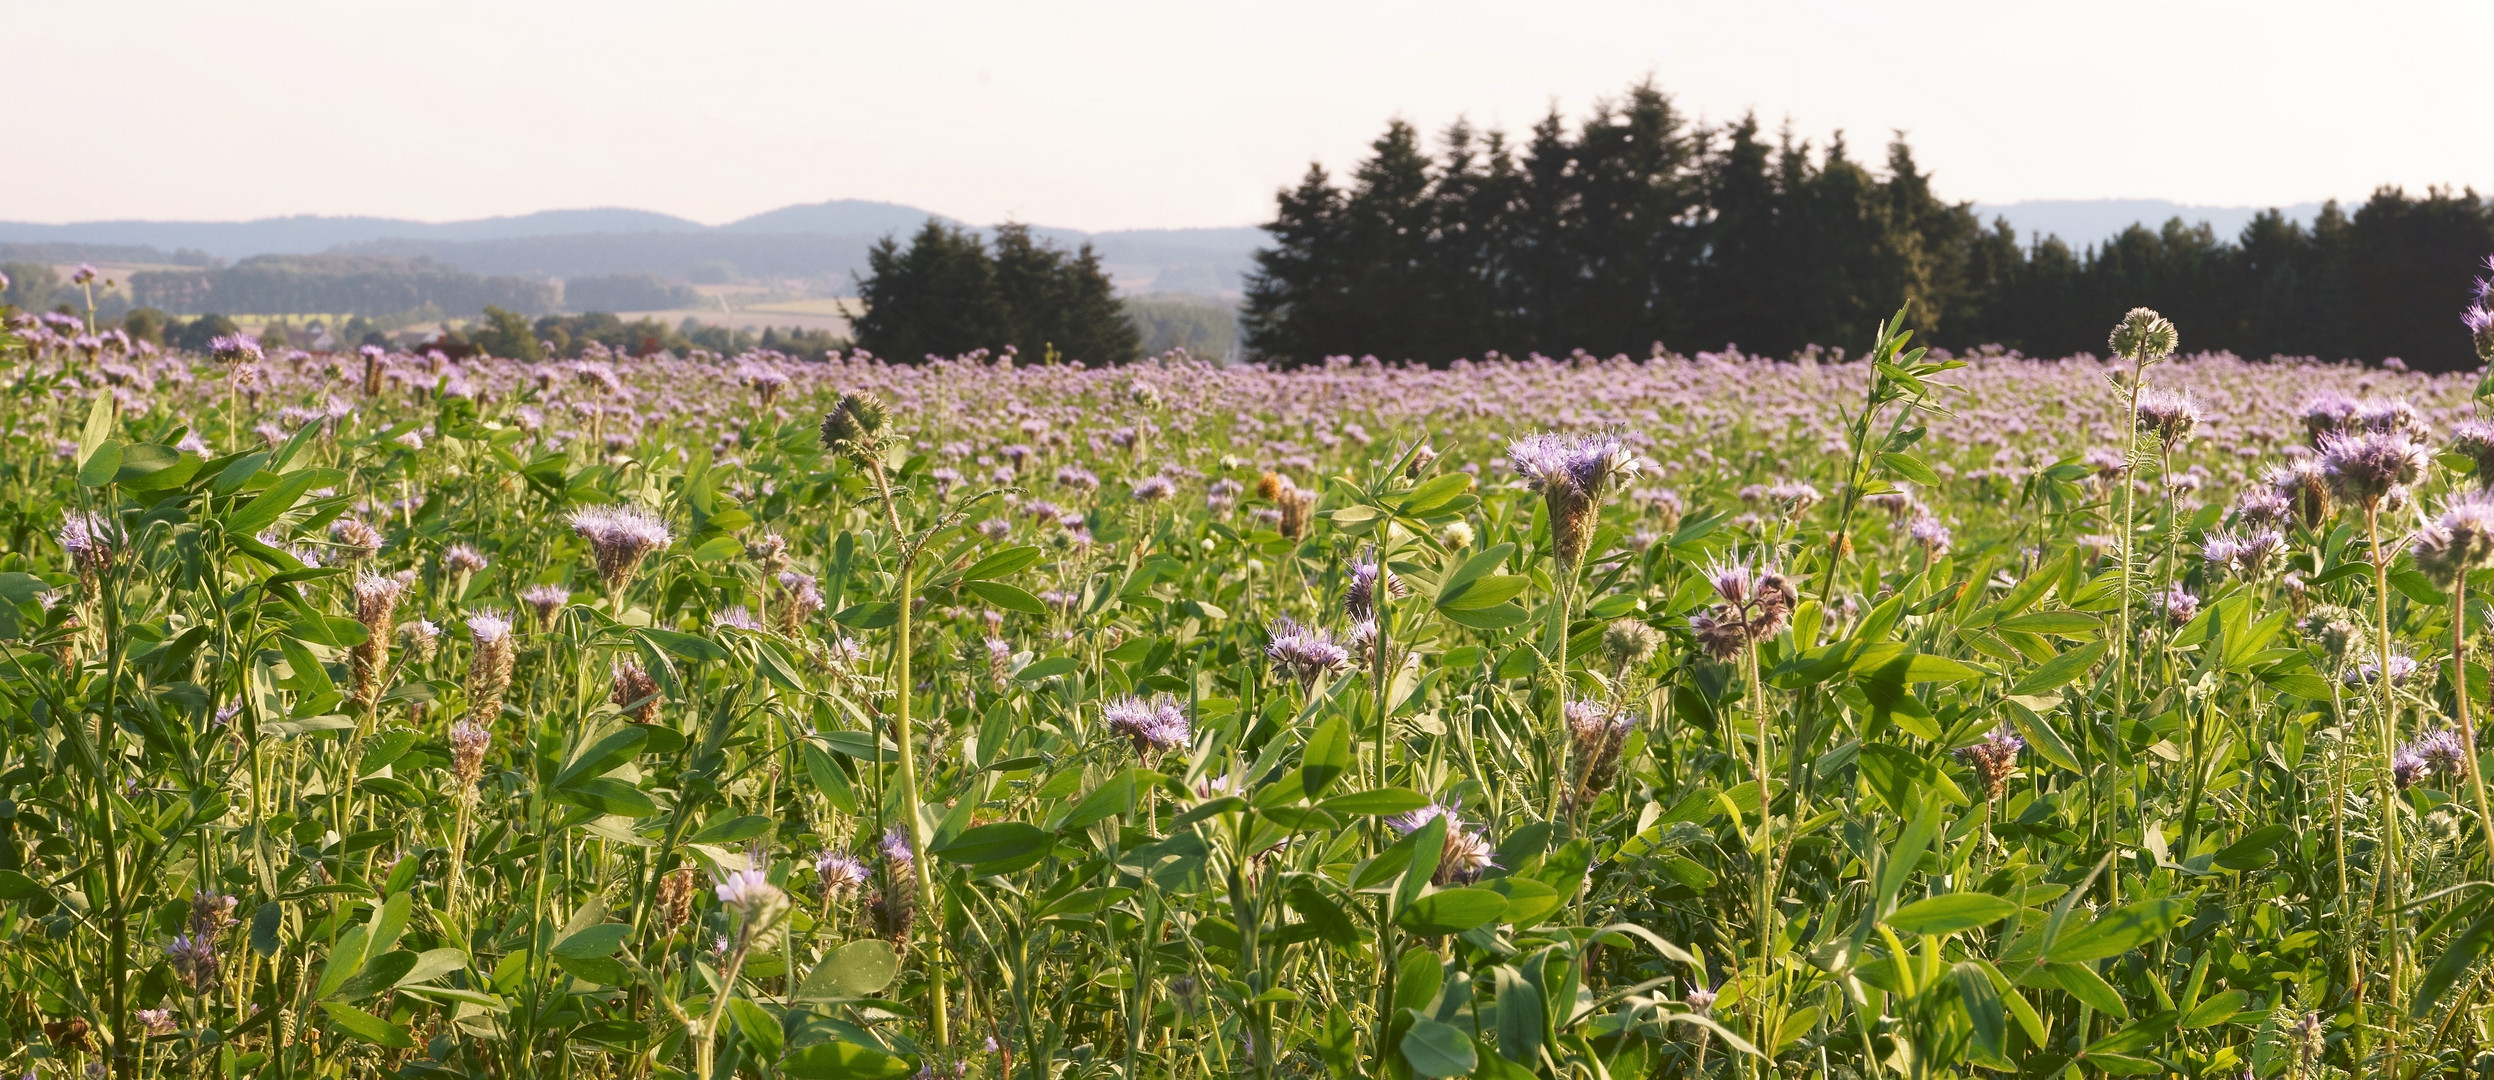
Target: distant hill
2080	222
826	241
839	217
305	234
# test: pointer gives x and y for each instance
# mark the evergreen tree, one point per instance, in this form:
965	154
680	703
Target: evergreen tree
946	294
937	297
1634	227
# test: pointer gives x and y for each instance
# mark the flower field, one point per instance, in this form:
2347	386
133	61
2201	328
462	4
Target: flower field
1901	715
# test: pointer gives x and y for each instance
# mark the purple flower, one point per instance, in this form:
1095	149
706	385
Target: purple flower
2369	467
619	538
1305	652
1155	726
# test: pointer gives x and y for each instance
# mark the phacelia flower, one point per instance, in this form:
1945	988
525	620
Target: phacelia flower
1305	652
1155	726
619	538
1572	472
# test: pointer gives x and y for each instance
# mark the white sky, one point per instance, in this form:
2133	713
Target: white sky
1169	113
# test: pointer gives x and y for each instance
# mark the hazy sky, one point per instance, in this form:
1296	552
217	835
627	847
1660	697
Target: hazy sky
1167	113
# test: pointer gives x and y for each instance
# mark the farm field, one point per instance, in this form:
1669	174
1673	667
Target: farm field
1913	714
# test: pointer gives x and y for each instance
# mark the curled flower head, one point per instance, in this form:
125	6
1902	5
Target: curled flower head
896	848
1465	854
468	743
619	538
854	427
235	349
2369	672
1155	726
2144	337
2460	542
1595	733
2370	467
1359	594
840	873
195	961
489	666
1305	652
463	559
2168	415
1153	489
1630	643
750	894
2180	603
2443	751
1929	534
545	601
1993	759
2474	440
2407	766
1572	472
355	539
91	542
635	691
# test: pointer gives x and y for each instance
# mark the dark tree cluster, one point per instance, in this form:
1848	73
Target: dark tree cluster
1636	227
950	293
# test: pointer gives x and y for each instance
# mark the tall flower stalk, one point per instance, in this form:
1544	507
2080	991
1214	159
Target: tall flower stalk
1572	473
855	428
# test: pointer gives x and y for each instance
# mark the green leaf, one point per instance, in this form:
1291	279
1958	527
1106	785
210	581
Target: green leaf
1452	911
1472	569
2053	622
1041	669
2119	931
2216	1010
1493	618
1327	757
1115	795
100	416
1005	596
999	847
152	467
857	969
101	466
1528	901
2060	670
606	755
2084	984
607	795
1486	591
1950	914
1437	1050
1375	801
840	1060
1911	468
687	646
999	563
432	964
2252	851
17	886
1983	1007
1437	491
265	508
735	830
366	1026
382	973
2041	737
593	941
2457	958
758	1027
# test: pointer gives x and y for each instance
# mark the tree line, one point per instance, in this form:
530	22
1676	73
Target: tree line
949	292
1636	227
